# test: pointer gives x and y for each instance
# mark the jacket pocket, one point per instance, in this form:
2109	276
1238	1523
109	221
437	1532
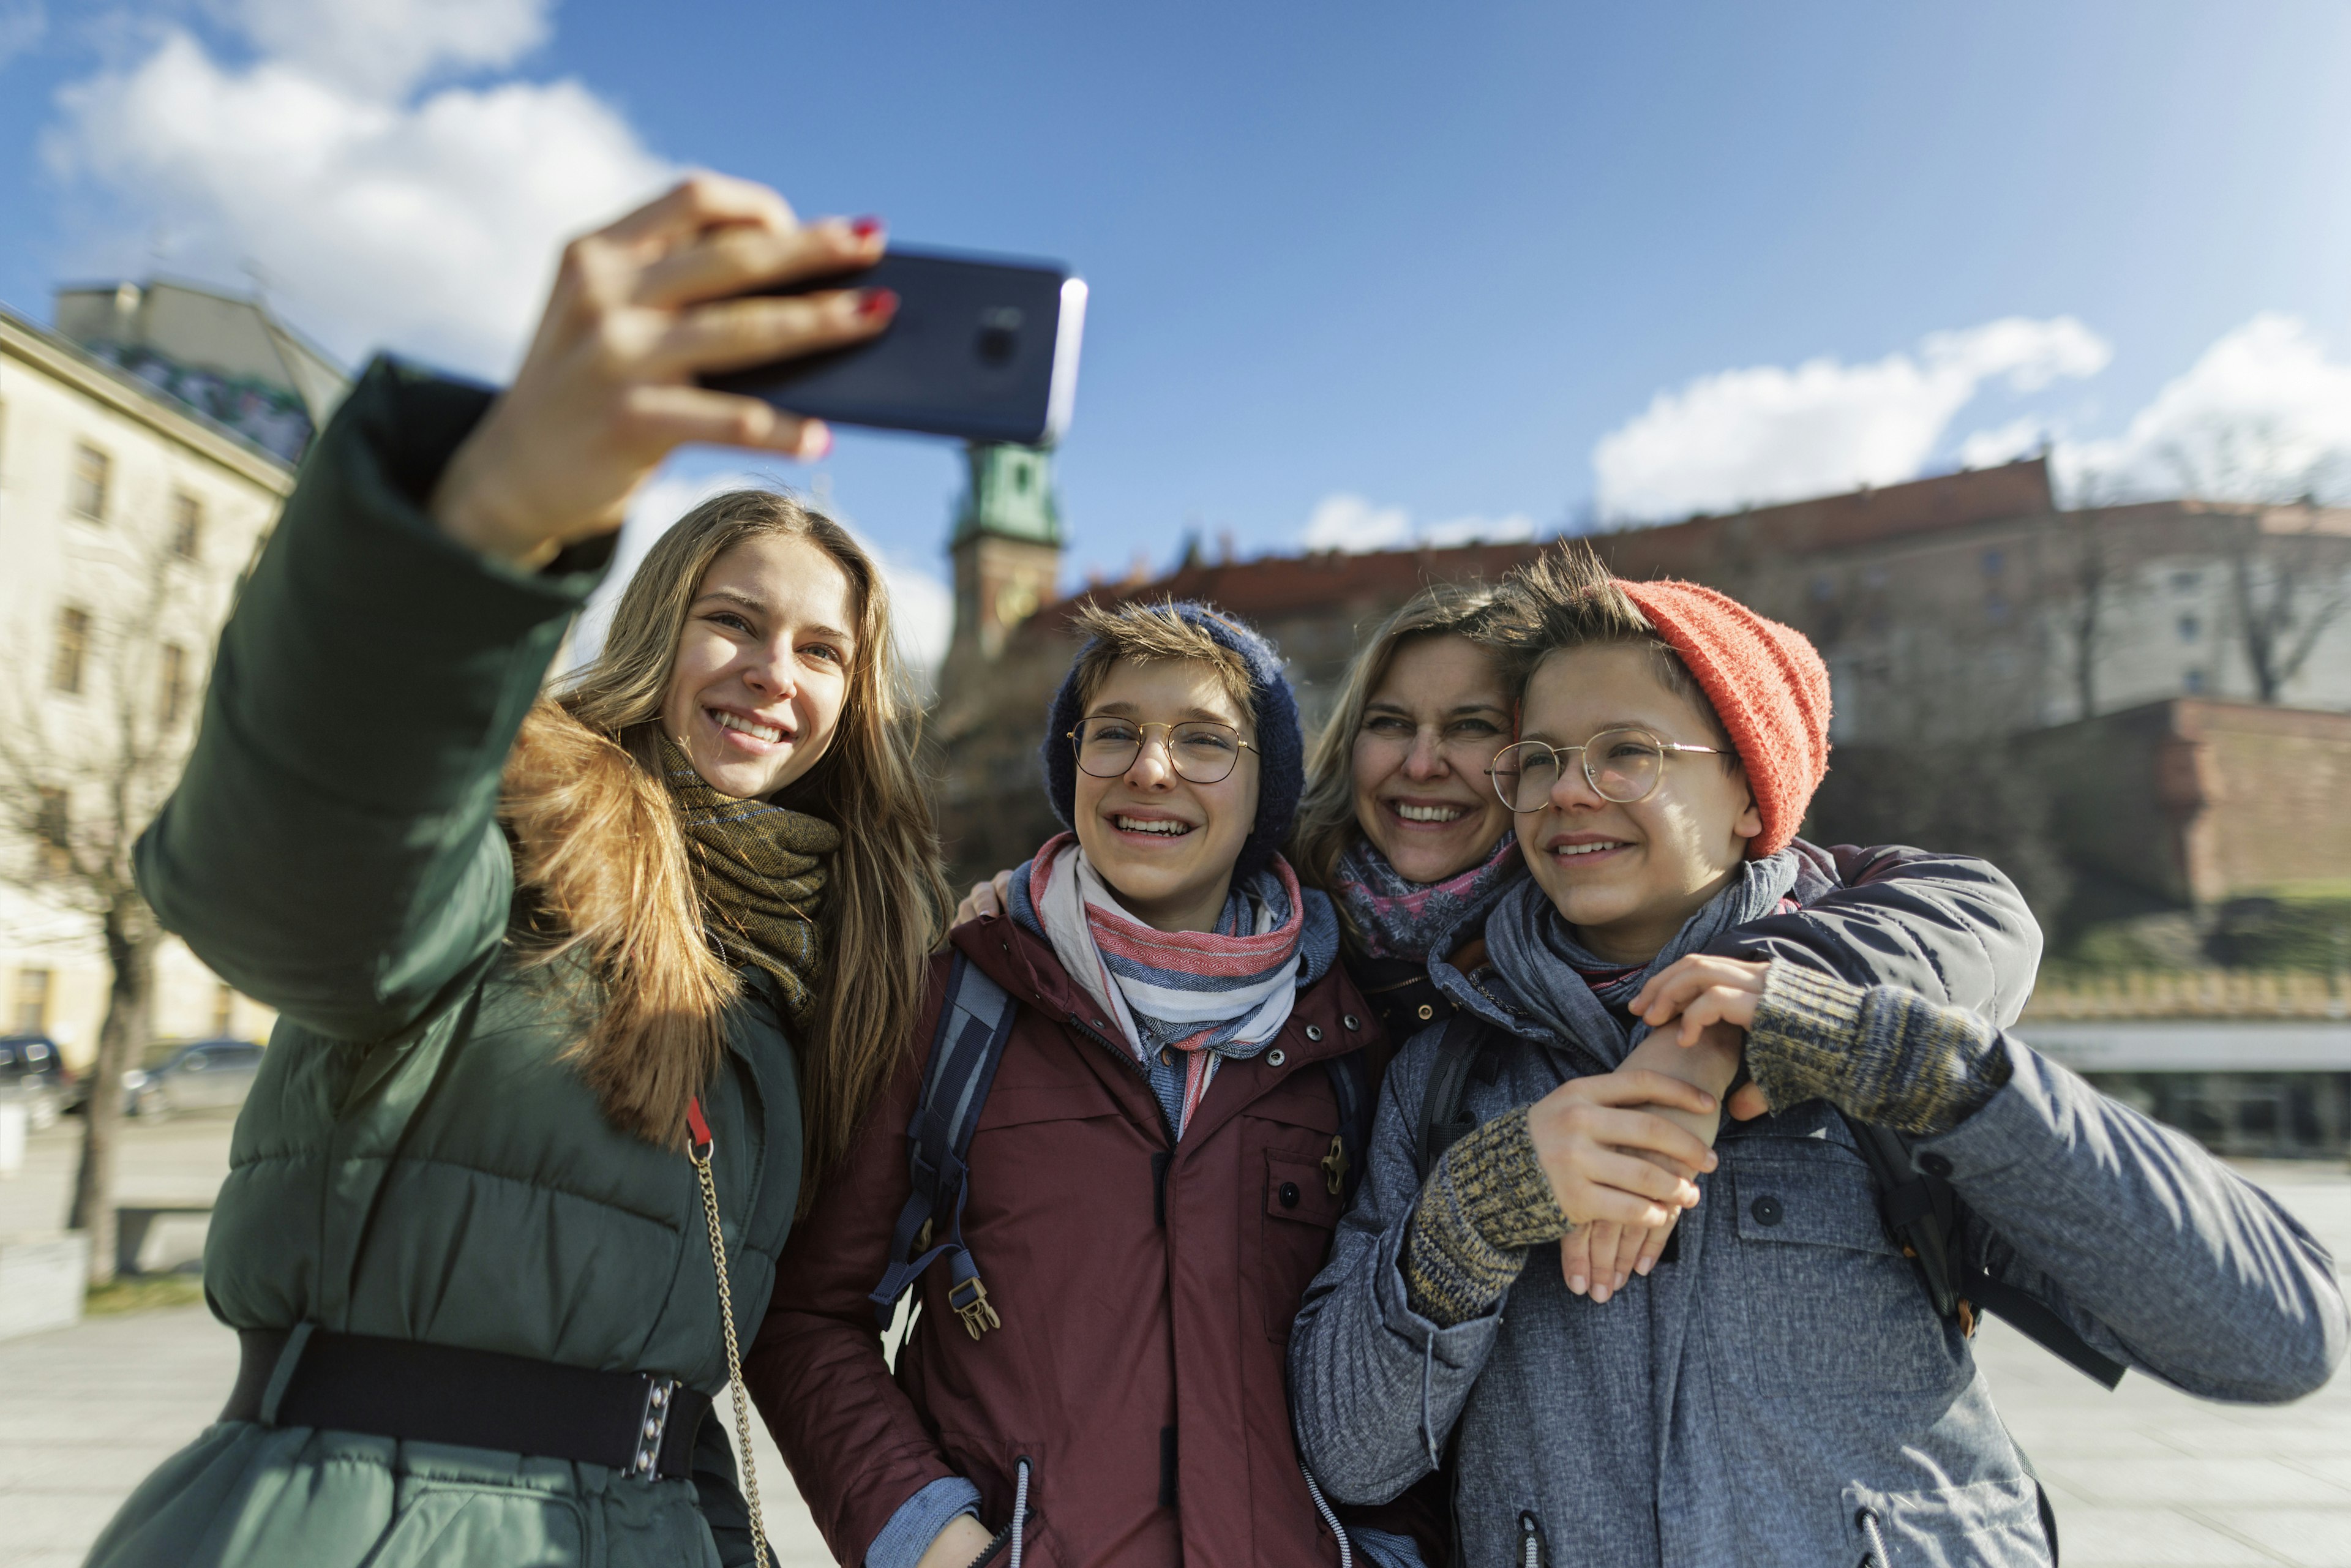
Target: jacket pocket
1991	1524
513	1526
1296	1215
1823	1302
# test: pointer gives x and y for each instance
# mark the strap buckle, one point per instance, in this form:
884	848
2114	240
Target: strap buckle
653	1423
1335	1166
969	1299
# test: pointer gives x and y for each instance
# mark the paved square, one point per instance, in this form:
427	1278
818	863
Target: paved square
2141	1476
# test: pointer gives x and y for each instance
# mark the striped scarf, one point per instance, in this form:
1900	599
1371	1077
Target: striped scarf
1182	1000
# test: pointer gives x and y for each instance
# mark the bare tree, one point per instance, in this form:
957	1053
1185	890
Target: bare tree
2289	580
2091	577
100	727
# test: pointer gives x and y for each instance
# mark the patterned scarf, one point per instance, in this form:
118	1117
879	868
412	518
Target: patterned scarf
1581	995
761	872
1184	1000
1399	919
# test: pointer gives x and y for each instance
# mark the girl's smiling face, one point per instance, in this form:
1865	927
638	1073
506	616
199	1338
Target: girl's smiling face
1627	876
1166	845
1428	734
762	668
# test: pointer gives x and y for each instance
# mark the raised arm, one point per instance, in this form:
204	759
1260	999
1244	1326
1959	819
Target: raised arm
332	848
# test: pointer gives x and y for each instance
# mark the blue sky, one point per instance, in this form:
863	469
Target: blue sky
1371	269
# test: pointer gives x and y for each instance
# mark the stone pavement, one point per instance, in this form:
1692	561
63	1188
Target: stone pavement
2141	1476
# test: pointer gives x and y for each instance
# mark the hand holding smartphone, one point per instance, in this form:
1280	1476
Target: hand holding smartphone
980	348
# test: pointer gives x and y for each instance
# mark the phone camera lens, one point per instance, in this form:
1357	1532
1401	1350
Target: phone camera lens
999	335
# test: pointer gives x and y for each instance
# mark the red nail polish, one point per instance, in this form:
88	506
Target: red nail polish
877	301
866	228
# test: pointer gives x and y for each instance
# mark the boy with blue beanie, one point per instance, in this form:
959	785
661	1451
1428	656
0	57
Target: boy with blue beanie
1779	1388
1159	1163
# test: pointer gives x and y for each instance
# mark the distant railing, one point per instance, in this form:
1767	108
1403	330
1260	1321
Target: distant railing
2191	993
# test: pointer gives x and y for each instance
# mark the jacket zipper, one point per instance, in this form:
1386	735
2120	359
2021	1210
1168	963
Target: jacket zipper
1531	1551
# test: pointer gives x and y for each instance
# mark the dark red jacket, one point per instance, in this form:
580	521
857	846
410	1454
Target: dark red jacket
1140	1366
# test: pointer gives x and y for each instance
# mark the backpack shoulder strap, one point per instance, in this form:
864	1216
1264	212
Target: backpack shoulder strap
1351	1086
1443	1120
975	1023
1922	1213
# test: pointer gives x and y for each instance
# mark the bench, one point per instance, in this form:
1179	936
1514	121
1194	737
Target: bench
134	1227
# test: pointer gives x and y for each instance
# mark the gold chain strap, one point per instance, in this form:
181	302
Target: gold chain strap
700	1154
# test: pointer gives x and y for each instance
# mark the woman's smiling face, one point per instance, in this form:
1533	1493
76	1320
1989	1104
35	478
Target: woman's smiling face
1427	736
1166	845
762	669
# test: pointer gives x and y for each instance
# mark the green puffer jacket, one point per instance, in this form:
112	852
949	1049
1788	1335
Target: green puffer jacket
414	1160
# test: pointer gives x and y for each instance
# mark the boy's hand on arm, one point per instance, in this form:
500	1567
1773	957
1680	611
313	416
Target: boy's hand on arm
1607	1255
1887	1057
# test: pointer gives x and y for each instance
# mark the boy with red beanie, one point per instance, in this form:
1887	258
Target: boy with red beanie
1780	1387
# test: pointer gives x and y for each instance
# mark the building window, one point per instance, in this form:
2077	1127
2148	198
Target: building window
2196	682
1996	609
69	660
187	526
224	1008
1994	563
173	695
87	494
31	1013
50	825
1825	588
2186	581
2190	628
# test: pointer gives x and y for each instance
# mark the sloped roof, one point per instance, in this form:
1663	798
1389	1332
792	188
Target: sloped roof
1270	587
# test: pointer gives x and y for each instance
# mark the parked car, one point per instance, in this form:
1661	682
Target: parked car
211	1074
31	1071
207	1074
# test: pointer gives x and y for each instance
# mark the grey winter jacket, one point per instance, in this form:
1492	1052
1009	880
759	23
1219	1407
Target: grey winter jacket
1783	1391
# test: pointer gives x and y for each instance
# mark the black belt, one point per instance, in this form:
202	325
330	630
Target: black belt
630	1421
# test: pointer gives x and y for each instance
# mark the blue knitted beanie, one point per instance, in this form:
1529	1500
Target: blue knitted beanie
1280	746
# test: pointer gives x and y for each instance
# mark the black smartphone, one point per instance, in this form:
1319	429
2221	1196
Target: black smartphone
982	347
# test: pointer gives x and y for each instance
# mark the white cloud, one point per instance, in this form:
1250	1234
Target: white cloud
23	24
1345	521
383	47
2003	443
922	606
382	217
1767	433
2263	415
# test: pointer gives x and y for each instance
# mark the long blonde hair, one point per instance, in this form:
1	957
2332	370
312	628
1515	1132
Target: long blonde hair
603	864
1326	814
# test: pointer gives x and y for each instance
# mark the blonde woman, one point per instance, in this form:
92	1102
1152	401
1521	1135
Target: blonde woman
556	1009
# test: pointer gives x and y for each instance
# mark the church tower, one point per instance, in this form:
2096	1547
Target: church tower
1007	548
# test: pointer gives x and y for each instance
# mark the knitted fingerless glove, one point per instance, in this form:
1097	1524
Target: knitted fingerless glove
1884	1056
1487	1202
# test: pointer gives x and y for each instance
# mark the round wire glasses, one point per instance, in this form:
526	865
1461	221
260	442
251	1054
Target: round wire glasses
1202	751
1622	766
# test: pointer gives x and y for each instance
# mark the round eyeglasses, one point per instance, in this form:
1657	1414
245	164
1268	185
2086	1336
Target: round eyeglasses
1622	766
1202	751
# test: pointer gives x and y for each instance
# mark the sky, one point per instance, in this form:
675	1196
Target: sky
1361	275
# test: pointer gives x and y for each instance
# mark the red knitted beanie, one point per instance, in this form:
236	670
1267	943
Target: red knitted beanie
1768	686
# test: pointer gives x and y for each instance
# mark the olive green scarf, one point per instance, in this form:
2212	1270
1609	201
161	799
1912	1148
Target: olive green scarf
761	871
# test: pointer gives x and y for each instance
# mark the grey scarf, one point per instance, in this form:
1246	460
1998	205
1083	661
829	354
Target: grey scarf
1546	967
